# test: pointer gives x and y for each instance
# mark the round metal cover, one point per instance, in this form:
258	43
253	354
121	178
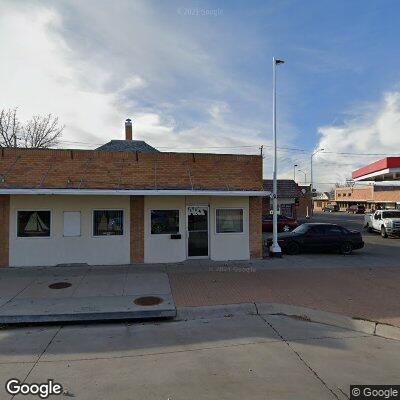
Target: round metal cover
148	301
60	285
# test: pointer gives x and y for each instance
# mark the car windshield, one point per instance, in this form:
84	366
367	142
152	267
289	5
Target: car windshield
391	214
301	229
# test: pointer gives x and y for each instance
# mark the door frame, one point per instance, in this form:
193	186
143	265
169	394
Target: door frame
208	232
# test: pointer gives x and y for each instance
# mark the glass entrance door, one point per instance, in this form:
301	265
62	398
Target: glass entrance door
197	226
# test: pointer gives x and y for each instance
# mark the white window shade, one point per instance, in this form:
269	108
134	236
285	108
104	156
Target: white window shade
72	223
229	220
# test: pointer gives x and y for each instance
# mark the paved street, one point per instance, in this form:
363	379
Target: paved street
356	221
378	252
235	357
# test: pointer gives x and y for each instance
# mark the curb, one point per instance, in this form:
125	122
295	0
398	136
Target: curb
220	311
308	314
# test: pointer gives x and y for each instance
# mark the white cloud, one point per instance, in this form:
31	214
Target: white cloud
39	73
373	128
94	66
96	75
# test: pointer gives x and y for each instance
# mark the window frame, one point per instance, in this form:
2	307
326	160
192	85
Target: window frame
165	209
109	236
33	237
229	233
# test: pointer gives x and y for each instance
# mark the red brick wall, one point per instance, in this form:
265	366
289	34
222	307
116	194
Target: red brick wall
266	205
353	194
390	196
4	229
88	169
255	227
304	202
137	229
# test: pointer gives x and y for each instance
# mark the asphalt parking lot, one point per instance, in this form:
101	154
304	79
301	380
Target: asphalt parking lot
377	252
356	221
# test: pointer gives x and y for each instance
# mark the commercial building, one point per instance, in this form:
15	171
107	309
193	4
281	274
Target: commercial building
294	201
378	186
321	200
127	203
387	169
373	197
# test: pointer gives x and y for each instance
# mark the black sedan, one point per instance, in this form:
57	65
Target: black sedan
315	237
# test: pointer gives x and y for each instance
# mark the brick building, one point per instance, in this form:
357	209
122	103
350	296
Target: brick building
373	197
293	200
378	186
126	203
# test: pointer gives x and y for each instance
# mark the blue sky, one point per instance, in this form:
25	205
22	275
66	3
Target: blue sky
197	75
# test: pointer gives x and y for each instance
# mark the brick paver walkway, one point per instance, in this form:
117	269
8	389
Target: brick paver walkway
370	293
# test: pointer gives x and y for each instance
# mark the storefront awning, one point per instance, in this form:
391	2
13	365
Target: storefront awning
135	192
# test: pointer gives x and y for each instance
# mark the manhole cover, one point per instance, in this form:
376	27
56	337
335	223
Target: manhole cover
60	285
148	301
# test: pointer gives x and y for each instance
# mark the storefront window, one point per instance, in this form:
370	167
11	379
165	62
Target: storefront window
33	224
108	222
229	220
164	222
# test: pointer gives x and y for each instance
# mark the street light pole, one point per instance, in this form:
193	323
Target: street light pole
275	249
305	176
294	172
311	179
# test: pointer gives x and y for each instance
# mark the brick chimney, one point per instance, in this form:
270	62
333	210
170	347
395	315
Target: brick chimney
128	129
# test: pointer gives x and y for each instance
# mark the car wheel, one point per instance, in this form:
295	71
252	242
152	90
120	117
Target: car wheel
346	248
383	232
370	230
292	248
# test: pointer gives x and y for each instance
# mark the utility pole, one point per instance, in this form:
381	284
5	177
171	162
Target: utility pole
305	176
275	249
311	179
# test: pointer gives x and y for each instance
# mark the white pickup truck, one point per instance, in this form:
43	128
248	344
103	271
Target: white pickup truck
387	222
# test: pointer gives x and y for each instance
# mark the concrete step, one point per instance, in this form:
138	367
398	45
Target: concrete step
81	309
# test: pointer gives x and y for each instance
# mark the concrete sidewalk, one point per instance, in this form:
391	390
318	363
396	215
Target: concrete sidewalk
232	357
82	293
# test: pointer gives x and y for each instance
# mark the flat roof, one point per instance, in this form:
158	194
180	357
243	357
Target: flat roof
135	192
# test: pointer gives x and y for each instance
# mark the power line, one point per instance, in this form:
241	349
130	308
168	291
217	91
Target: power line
246	146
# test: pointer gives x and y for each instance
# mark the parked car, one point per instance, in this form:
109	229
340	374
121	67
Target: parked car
331	208
356	209
387	222
285	224
318	237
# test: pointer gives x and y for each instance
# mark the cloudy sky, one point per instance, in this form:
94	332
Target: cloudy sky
197	76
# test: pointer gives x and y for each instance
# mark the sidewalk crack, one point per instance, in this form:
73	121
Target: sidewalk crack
40	356
308	366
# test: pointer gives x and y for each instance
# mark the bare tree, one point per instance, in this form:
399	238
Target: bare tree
10	128
41	131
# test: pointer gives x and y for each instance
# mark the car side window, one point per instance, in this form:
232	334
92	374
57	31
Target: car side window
316	230
333	230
